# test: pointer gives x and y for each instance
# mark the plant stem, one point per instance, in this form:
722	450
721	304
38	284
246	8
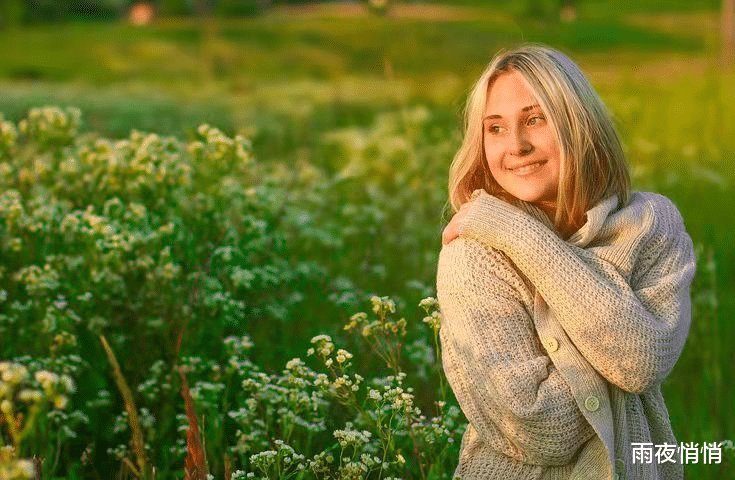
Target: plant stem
137	432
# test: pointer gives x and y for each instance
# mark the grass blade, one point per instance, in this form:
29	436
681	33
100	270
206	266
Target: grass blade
137	432
195	465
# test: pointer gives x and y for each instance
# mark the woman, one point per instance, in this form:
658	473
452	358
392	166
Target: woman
565	298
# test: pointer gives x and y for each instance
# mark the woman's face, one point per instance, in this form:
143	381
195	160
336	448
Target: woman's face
520	147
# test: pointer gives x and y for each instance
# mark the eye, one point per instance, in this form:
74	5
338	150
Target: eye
535	120
494	129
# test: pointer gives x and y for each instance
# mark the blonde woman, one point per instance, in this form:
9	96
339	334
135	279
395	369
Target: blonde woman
565	297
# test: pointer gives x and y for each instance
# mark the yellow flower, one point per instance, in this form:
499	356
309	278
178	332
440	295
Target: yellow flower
30	396
60	402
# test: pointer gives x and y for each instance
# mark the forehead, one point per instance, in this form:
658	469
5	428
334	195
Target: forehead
509	93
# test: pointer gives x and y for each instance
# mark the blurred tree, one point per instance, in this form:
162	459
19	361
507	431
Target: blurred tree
56	10
94	9
234	8
240	8
203	7
175	7
550	10
727	26
11	12
45	10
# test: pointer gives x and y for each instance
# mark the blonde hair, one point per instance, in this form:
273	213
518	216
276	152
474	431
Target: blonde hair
592	161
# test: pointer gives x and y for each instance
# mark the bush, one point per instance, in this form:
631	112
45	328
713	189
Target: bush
195	249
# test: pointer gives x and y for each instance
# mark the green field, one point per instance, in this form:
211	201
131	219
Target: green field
324	186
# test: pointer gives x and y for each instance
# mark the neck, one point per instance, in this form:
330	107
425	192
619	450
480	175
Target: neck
565	229
549	209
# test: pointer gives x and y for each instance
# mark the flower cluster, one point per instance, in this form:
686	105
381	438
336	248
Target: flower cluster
12	468
30	395
16	385
51	125
151	240
8	136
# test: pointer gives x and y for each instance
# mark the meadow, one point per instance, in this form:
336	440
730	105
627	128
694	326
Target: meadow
253	208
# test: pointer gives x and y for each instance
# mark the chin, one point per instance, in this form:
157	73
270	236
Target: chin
530	197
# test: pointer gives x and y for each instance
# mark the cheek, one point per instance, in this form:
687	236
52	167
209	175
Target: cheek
491	153
556	155
551	149
549	143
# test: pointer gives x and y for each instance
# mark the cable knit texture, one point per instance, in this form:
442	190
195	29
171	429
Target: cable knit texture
556	349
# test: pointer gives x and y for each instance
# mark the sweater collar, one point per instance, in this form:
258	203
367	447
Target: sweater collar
596	217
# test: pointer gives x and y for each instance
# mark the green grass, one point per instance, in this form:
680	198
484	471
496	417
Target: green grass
276	49
606	8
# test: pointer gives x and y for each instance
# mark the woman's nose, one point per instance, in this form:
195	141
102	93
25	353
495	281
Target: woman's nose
518	143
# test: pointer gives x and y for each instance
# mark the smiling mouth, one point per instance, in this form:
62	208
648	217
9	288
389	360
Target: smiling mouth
527	168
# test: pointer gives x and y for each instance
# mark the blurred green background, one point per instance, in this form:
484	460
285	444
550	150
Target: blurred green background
294	77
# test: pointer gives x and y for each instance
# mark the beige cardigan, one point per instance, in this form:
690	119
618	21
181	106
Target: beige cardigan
556	349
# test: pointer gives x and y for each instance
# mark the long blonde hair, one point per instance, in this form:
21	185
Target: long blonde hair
593	165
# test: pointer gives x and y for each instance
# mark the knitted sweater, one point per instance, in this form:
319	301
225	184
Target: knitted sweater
556	349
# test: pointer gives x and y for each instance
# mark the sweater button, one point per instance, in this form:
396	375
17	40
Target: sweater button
592	403
620	467
551	344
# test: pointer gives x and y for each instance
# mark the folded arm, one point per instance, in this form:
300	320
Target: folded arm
493	360
631	335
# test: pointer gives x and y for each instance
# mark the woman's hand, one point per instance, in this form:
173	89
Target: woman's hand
453	229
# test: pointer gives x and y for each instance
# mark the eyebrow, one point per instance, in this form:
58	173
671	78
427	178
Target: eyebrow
524	109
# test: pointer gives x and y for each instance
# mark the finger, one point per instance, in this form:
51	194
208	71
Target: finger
447	235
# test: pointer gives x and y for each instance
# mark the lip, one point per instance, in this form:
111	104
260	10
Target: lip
526	164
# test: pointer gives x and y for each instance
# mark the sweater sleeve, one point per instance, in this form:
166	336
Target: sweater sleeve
507	387
632	335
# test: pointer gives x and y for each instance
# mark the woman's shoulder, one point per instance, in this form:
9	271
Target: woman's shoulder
654	200
655	212
664	242
657	233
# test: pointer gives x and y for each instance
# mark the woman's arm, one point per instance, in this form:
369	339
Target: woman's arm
493	360
632	336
